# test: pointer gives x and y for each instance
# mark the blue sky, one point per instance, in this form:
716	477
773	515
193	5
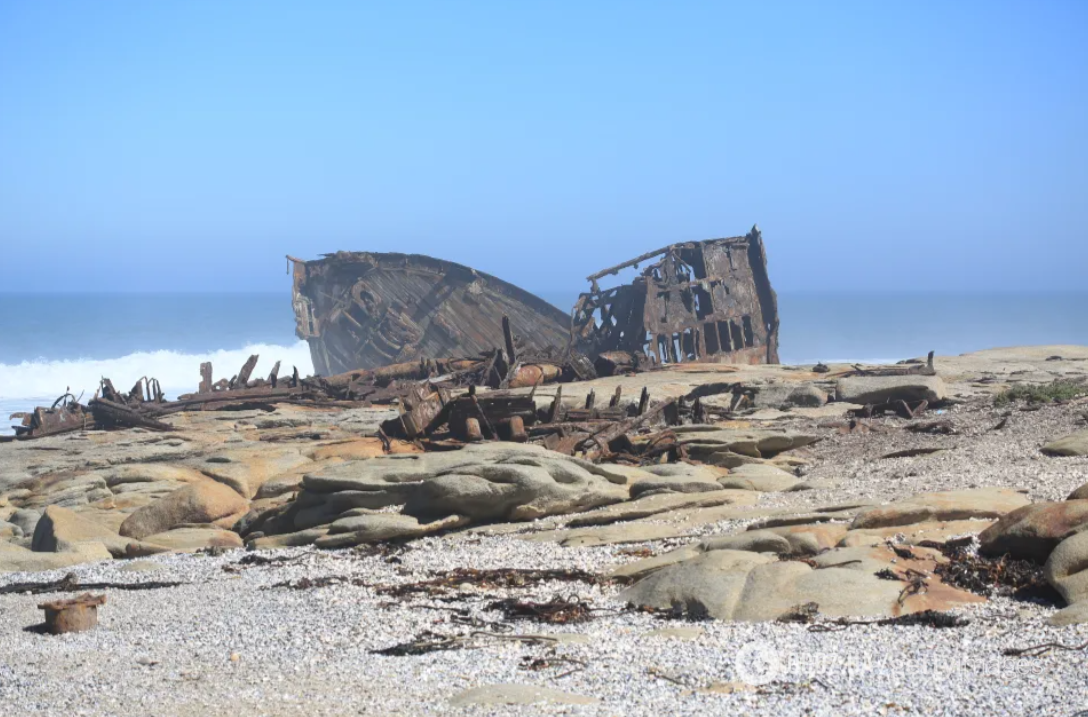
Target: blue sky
879	145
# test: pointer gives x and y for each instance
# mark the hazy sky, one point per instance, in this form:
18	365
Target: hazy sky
879	145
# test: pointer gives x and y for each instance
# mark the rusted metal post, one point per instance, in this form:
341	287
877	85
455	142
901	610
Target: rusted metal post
616	397
557	403
591	399
644	401
508	337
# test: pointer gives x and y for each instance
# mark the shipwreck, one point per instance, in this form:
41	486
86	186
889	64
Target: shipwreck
363	310
708	301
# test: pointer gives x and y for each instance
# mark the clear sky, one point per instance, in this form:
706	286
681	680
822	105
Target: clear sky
179	145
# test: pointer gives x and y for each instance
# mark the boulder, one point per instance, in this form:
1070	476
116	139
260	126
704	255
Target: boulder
810	539
735	447
807	396
1079	494
27	520
1075	444
193	539
361	529
1075	614
1032	532
732	585
761	478
981	503
1067	568
874	390
197	503
62	529
520	488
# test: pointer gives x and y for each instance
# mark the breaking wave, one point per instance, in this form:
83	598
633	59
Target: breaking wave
177	372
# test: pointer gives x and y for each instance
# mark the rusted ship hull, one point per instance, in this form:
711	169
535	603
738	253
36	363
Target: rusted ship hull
707	301
362	310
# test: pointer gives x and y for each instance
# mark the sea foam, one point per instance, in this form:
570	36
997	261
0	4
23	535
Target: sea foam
177	372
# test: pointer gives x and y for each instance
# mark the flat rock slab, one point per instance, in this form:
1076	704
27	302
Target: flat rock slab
515	694
760	477
16	559
609	534
1033	531
942	506
362	529
937	531
662	503
735	447
1075	444
874	390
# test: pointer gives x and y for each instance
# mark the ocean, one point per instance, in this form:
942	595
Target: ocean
52	343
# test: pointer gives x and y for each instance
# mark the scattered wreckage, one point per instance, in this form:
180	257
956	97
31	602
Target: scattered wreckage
383	330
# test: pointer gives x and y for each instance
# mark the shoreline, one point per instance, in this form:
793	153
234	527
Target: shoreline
262	637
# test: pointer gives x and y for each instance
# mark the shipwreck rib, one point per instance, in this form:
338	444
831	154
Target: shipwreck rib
697	301
363	310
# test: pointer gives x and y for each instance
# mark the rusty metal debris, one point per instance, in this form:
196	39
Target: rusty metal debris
362	310
74	615
696	301
65	415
